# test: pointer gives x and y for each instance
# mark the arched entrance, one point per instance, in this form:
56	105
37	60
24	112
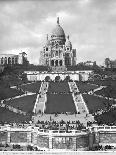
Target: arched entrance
57	78
47	78
9	60
5	60
67	78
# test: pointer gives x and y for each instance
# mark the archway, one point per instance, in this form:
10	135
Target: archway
57	78
47	78
60	62
5	60
56	63
9	60
67	78
2	60
52	63
13	61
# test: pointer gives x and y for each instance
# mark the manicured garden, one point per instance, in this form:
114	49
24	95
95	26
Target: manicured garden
85	87
94	103
107	92
32	87
6	92
25	103
58	103
58	87
104	82
9	116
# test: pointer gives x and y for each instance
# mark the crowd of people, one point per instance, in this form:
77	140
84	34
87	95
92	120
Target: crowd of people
60	125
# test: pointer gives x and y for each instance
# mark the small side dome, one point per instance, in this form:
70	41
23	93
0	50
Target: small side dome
68	43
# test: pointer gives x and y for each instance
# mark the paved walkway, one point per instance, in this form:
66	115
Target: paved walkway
15	110
78	98
83	118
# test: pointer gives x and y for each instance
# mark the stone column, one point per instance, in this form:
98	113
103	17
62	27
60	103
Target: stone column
29	137
50	139
74	144
8	136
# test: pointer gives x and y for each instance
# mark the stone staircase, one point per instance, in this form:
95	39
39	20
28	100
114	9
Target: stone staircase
78	99
41	98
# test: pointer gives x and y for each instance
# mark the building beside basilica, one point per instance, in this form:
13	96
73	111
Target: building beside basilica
58	52
12	59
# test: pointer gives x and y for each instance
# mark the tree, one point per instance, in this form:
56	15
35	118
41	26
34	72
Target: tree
107	63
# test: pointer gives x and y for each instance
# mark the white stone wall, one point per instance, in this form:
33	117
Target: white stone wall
36	76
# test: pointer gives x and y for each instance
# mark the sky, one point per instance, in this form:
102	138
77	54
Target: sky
91	25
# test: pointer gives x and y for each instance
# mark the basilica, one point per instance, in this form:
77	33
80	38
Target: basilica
58	52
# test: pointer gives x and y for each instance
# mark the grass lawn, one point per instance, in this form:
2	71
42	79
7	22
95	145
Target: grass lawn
104	82
8	92
106	118
9	116
60	103
25	103
58	87
94	103
33	87
107	92
85	87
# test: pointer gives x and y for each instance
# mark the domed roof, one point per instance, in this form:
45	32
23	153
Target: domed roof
68	42
58	30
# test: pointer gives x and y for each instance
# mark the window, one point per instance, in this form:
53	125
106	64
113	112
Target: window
46	48
56	53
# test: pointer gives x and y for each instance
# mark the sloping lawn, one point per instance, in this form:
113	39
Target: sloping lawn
106	118
33	87
9	92
25	103
85	87
59	103
94	103
9	116
104	82
107	92
58	87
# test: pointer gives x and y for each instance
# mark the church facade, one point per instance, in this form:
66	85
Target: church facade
58	52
